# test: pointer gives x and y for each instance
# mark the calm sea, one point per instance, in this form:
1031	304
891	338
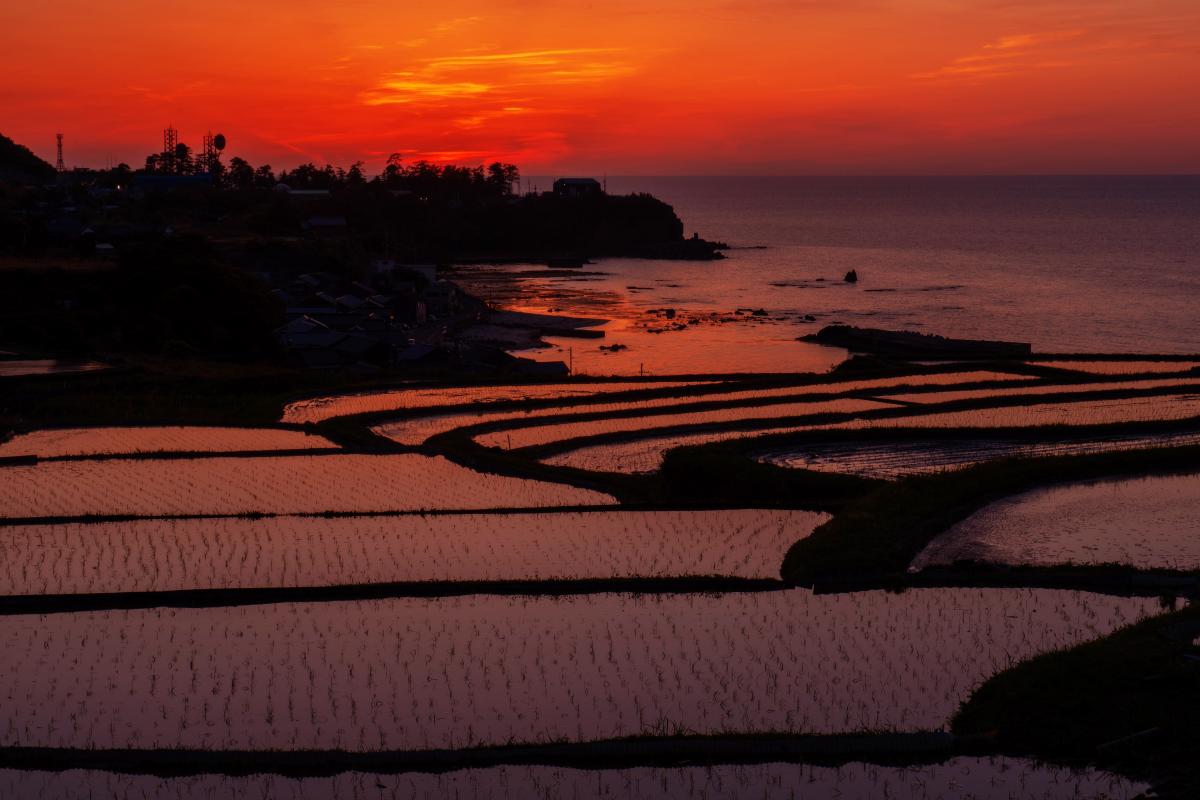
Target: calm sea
1071	264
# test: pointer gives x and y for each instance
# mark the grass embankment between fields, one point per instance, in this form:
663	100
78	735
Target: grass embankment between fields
686	749
1129	702
874	539
12	605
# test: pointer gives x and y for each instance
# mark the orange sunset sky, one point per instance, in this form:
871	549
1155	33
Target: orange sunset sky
623	87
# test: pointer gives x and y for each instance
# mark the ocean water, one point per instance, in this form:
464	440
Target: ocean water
1070	264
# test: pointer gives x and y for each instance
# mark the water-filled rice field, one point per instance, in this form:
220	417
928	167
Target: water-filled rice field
1142	522
271	485
415	430
232	552
1031	391
646	454
543	434
53	442
976	778
1083	412
318	409
1119	367
894	459
12	368
455	672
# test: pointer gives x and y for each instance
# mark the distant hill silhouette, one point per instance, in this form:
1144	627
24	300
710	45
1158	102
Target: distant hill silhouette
19	164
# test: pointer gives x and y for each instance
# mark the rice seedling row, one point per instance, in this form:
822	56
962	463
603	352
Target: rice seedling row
170	555
535	435
58	442
1118	367
646	454
414	431
456	672
1031	391
318	409
270	485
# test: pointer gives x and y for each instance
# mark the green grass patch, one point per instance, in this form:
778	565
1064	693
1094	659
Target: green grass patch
1130	702
877	537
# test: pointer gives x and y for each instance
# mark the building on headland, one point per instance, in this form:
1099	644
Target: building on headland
578	187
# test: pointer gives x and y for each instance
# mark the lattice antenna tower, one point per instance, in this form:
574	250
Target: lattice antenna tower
210	152
170	142
59	165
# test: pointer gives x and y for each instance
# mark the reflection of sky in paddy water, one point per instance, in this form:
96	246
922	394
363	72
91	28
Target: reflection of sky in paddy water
461	671
1144	522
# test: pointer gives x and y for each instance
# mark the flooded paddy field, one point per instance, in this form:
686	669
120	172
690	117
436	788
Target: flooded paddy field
14	368
231	552
467	671
1083	412
1118	367
534	435
1030	391
978	778
645	453
56	442
415	430
1150	522
322	408
270	485
890	459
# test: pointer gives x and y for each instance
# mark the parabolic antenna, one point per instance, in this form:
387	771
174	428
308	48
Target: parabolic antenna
219	141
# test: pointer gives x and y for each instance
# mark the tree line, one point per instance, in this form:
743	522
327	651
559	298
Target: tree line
422	178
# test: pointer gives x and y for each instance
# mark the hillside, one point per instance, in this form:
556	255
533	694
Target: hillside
18	163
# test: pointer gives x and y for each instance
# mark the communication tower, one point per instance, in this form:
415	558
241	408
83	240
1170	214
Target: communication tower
213	145
60	166
209	152
170	146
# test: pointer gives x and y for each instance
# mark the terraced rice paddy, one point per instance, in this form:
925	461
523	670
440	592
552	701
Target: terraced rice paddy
453	672
13	368
270	485
893	459
1031	391
1141	522
544	434
1119	367
53	442
161	555
416	430
319	409
977	778
646	454
1084	412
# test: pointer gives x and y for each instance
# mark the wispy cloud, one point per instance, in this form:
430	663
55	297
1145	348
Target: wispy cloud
1023	41
1007	55
496	75
456	23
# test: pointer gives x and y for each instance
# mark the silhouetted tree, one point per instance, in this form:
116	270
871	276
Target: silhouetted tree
241	174
264	178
